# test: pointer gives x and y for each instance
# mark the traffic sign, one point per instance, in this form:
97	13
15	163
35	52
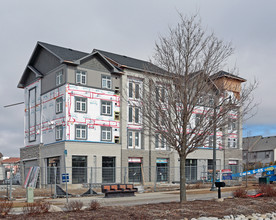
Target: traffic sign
65	177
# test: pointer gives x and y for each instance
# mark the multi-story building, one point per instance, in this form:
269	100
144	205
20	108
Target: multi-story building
75	116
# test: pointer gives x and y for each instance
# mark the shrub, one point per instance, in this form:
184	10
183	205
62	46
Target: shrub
5	207
94	205
267	190
36	208
240	193
74	205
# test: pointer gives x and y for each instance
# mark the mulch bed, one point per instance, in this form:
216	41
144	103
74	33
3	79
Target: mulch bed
190	209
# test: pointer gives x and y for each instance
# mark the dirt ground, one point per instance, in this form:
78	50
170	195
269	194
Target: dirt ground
173	210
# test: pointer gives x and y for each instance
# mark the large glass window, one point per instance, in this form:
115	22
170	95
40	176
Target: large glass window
80	104
81	132
79	169
106	82
59	105
191	170
106	134
81	77
108	170
106	108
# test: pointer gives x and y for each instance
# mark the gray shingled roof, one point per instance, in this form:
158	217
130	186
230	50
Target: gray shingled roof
226	74
259	143
131	62
64	53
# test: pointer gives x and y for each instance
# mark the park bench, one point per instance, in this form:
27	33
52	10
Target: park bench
118	190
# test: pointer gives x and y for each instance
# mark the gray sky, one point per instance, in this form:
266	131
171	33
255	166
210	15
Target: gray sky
131	28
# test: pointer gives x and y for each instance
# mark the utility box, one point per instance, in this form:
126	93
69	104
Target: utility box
264	180
30	194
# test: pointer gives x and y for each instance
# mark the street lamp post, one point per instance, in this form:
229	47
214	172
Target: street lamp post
213	187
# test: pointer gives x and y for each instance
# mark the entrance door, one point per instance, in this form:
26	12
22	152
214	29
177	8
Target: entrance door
108	170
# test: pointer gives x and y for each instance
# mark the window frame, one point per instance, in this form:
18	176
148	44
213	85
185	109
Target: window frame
83	75
76	101
59	132
232	143
59	77
160	142
132	139
130	114
84	128
108	103
59	105
104	77
104	128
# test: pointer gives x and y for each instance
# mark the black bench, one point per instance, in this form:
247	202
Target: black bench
118	190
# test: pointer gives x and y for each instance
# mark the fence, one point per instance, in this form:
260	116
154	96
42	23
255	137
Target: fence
137	174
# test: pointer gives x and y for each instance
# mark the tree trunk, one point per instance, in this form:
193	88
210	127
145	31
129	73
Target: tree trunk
182	179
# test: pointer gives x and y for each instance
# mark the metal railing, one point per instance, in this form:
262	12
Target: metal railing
138	174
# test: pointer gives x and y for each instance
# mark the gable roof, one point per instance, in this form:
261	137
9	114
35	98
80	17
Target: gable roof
259	143
228	75
11	160
132	63
64	54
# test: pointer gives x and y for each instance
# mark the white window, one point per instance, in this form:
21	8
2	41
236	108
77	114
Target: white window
130	114
198	119
130	90
232	143
134	111
80	77
134	139
106	133
134	90
137	120
232	122
211	141
130	139
59	105
59	132
160	94
80	104
106	108
106	82
81	132
160	142
59	77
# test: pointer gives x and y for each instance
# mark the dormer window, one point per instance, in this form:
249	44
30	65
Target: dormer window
81	77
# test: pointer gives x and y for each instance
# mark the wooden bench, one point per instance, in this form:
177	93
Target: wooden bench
118	190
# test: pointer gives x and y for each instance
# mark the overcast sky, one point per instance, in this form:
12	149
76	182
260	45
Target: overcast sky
131	28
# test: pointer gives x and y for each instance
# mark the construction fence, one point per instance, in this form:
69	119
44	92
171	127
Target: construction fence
35	176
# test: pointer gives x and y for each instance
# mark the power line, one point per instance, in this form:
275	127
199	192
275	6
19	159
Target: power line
19	103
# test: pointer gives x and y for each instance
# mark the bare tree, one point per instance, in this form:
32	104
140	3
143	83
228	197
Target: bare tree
186	103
